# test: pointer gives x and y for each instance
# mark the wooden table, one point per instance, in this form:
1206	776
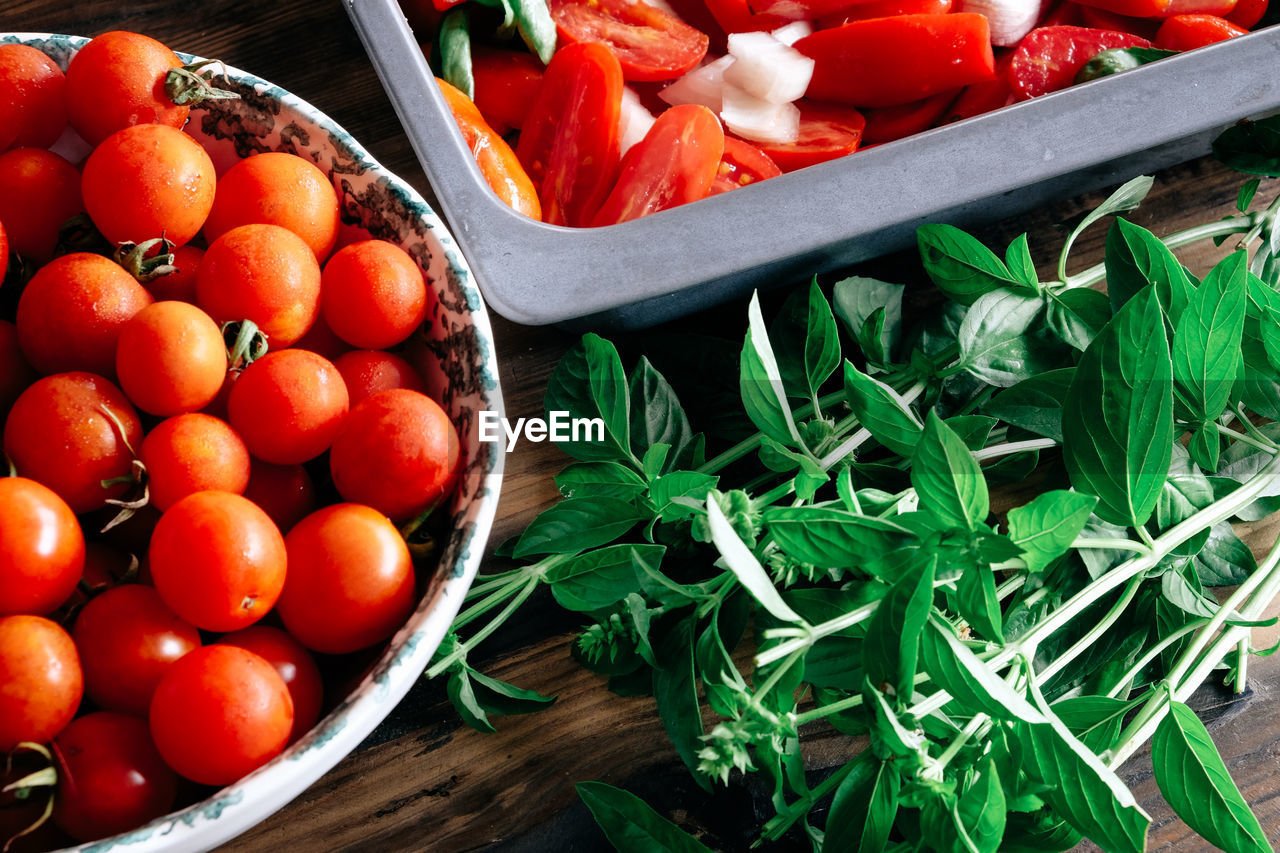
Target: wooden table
425	781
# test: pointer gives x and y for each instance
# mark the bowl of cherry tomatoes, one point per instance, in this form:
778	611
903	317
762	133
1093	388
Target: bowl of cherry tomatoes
240	368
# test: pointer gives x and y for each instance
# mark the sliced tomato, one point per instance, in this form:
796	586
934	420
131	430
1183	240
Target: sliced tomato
1101	19
1063	14
738	16
674	164
883	62
570	145
1248	13
889	123
984	97
650	43
882	9
742	164
1187	32
1220	8
506	83
1048	58
827	131
498	163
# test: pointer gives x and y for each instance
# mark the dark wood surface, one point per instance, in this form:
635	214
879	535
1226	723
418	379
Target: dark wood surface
425	781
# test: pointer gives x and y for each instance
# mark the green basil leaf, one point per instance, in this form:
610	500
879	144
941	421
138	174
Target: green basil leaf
537	27
1197	785
1042	831
947	478
589	382
631	825
864	807
1034	404
1118	418
892	645
675	690
971	683
1244	198
1136	258
1205	446
680	484
881	411
499	697
656	415
1116	59
857	299
890	736
977	602
1206	343
981	810
991	338
1095	720
760	383
1077	315
462	696
1252	147
1018	259
455	51
1224	560
576	524
744	565
1045	528
831	538
600	578
599	480
822	340
959	264
1126	197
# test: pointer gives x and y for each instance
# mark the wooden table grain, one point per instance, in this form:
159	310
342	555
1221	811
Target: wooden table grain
424	781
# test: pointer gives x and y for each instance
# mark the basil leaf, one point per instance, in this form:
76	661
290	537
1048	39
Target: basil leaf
1247	191
600	480
739	559
576	524
1224	560
499	697
601	577
831	538
1095	720
992	346
656	416
1034	404
981	810
1252	147
455	51
1117	421
1041	831
857	299
631	825
589	382
947	478
1126	197
462	696
971	683
892	645
537	27
1206	344
1116	59
1198	787
680	484
959	264
1018	259
760	383
1077	315
675	689
864	807
1136	258
976	601
881	411
821	340
1045	528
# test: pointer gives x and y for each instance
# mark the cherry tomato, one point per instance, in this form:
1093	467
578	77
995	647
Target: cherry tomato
397	452
889	123
351	580
738	16
263	273
32	109
288	406
180	284
40	680
193	453
366	372
116	81
570	145
373	294
41	548
1220	8
742	164
295	666
4	253
1048	58
1187	32
16	373
72	431
1064	13
39	192
1248	13
171	359
506	84
283	492
113	778
277	188
128	638
217	560
321	340
220	713
883	62
827	131
147	181
498	164
674	164
651	44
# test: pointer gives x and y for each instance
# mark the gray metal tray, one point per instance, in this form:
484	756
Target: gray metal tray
837	213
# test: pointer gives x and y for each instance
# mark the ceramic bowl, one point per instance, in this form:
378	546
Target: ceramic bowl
462	374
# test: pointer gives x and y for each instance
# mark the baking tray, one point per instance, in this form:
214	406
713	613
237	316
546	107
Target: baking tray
994	166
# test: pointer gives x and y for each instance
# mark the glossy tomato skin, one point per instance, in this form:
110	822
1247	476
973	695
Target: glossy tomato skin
351	580
40	680
883	9
498	164
506	84
146	181
288	406
179	285
217	560
295	666
741	165
651	44
889	123
113	778
373	294
367	372
277	188
116	81
39	192
1048	59
33	111
1187	32
58	434
220	713
170	358
41	548
827	131
190	453
1247	13
284	492
397	452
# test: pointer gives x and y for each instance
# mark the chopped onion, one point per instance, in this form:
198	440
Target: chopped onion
757	119
793	32
1008	20
702	85
767	68
634	120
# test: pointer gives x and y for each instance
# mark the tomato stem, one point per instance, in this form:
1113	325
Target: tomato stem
192	84
133	257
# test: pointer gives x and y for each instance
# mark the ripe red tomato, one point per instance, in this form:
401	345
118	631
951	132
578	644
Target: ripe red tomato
881	9
889	123
116	81
506	84
148	181
217	560
283	492
1248	13
41	548
498	164
219	713
128	638
277	188
351	580
288	406
15	373
1048	59
113	778
741	165
367	372
295	666
171	358
32	110
373	294
827	131
396	452
39	192
263	273
179	285
191	453
59	433
40	680
1187	32
650	43
4	253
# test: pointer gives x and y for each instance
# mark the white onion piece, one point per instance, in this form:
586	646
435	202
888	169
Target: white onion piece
767	68
634	120
757	119
702	85
1009	20
793	32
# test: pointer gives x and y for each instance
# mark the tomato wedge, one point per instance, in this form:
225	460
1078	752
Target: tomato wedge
1221	8
1247	13
570	144
884	62
889	123
674	164
651	44
1048	58
827	131
506	83
882	9
742	164
498	164
984	97
1187	32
